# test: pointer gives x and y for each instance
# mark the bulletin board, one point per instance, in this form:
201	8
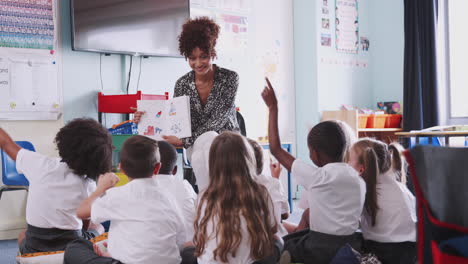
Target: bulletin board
29	60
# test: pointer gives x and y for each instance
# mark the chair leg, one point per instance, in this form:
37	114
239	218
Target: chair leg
12	188
1	191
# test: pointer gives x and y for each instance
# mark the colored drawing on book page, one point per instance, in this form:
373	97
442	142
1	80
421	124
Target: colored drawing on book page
149	131
178	120
152	122
175	129
173	110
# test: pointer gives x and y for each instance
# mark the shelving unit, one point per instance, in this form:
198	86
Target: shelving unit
351	117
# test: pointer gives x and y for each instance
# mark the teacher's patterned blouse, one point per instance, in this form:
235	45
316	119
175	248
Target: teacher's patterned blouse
219	112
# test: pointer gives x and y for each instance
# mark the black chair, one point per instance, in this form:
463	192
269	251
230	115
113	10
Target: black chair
440	178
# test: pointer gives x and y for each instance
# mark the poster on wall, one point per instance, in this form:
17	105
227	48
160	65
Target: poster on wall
27	24
347	26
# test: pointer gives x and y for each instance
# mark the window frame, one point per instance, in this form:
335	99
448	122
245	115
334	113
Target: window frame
445	88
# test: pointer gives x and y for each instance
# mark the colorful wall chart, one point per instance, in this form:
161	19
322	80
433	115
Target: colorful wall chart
27	24
347	26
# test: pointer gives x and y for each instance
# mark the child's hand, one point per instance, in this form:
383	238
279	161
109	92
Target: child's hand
269	96
100	252
137	115
173	140
275	169
107	181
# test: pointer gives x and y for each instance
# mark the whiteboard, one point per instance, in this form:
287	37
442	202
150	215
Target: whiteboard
30	56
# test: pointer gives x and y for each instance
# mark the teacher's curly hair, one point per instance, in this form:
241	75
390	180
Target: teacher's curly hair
201	32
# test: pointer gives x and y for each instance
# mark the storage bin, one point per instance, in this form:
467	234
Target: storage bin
393	121
363	120
376	121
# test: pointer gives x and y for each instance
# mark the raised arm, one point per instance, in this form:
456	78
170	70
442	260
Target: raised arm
105	182
8	145
278	152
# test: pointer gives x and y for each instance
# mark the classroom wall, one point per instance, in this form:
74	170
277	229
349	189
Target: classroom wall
83	72
387	45
338	82
323	82
305	72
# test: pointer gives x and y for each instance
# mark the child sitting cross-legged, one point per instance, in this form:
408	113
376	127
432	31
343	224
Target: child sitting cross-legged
235	222
145	228
335	192
57	185
389	218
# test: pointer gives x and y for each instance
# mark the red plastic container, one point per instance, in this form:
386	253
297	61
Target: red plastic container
376	121
121	103
393	121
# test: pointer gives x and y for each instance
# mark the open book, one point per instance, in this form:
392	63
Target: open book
165	118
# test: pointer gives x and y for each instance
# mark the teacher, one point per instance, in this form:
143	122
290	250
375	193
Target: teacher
212	90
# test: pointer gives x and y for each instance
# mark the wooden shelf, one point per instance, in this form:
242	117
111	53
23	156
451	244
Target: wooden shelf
351	117
380	129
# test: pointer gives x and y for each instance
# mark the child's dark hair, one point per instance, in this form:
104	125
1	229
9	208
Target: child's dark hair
168	157
329	138
139	156
258	151
86	147
201	32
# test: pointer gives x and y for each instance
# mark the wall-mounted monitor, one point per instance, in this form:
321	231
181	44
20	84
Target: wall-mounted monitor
135	27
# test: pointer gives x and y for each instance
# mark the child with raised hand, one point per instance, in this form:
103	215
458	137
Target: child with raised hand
335	191
273	185
235	222
145	226
388	222
180	190
57	186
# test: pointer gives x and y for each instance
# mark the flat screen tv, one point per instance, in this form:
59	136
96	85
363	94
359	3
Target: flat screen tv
134	27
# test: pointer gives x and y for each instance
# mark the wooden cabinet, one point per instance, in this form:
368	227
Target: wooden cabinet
351	117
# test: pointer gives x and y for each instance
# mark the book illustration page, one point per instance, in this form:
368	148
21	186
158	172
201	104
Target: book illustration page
152	122
178	118
165	118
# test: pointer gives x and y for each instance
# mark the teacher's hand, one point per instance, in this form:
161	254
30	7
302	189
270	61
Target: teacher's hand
175	141
137	115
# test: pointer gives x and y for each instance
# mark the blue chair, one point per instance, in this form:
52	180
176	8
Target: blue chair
12	180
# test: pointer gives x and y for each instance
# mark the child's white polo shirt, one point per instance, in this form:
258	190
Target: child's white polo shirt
335	195
184	196
145	226
55	191
396	216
